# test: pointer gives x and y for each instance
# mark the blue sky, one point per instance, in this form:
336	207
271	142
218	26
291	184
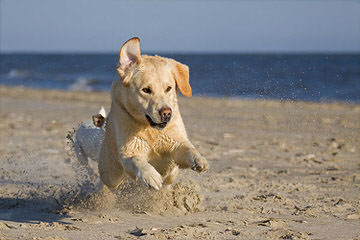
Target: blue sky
180	26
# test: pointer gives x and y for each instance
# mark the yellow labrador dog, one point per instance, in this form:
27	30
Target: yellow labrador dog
145	135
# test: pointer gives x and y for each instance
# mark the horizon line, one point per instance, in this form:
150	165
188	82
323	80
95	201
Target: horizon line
296	52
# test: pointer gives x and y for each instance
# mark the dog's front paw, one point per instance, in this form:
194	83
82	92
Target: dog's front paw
200	164
150	177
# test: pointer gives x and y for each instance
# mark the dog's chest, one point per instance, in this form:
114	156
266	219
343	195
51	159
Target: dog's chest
162	144
148	142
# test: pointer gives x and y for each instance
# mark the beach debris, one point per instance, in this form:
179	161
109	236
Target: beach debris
7	226
311	158
335	145
79	220
300	221
283	171
273	223
287	236
198	225
138	232
298	210
234	232
332	168
71	228
266	196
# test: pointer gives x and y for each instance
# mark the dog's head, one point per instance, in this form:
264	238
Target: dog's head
148	85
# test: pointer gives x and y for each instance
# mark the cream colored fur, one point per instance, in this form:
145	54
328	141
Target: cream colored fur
132	146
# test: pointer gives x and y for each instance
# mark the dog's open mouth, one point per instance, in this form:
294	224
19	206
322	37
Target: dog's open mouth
154	124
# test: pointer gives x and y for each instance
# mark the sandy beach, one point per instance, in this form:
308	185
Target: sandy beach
279	170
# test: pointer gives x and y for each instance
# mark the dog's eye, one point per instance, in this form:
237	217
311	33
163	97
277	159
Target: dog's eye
168	89
147	90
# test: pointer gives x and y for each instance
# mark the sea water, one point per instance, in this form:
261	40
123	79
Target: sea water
312	77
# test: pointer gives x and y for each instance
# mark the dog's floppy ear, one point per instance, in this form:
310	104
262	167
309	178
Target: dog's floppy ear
129	54
181	75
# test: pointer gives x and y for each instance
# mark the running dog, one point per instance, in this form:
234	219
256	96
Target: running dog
145	136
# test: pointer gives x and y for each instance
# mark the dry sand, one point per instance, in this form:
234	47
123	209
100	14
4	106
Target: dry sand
279	170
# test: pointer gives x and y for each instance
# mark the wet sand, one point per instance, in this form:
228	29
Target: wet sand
279	170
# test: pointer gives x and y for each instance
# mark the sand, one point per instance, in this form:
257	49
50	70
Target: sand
279	170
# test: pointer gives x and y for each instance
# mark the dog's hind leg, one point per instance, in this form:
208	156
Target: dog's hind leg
111	171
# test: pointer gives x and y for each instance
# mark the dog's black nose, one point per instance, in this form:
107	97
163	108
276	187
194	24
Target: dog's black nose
165	113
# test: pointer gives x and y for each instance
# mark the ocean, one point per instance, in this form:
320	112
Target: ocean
309	77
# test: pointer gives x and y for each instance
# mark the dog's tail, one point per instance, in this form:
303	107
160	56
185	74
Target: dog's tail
102	111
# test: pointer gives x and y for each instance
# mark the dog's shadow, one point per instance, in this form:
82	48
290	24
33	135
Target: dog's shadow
34	210
41	204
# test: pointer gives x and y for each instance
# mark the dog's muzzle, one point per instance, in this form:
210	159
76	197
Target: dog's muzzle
154	124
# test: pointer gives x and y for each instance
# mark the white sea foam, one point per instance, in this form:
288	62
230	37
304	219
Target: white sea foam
17	73
82	84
